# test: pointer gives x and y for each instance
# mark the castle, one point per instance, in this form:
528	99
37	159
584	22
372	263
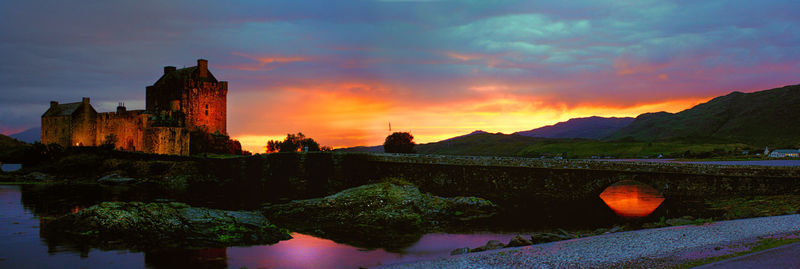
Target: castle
181	101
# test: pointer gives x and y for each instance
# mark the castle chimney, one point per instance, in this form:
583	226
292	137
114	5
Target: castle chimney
202	67
85	100
53	104
121	108
169	69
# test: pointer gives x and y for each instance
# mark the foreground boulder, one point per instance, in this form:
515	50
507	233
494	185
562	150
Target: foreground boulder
394	215
164	225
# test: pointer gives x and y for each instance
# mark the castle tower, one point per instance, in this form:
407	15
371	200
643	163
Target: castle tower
194	93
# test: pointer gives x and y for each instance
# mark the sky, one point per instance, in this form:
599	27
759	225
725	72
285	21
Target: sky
341	71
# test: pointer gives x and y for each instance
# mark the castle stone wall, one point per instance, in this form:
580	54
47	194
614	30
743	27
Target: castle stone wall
83	126
166	140
205	105
57	130
128	127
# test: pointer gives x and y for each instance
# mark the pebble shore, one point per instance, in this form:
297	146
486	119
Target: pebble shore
642	248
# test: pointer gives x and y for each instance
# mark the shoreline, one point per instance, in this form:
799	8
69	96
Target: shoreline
661	247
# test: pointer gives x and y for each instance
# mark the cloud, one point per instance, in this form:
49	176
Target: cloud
341	70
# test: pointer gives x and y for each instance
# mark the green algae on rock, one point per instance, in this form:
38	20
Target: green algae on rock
164	225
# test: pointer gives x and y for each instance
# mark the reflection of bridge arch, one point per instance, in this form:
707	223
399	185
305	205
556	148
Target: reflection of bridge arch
632	199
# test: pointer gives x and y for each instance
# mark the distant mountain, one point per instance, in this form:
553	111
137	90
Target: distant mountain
767	117
590	128
480	143
29	136
476	132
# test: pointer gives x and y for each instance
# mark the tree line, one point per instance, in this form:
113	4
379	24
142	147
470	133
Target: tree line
398	142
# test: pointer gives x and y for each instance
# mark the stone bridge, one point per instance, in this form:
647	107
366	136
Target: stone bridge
500	179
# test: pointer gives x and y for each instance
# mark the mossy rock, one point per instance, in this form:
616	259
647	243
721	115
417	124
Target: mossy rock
384	212
164	225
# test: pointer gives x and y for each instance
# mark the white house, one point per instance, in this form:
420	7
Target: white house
784	153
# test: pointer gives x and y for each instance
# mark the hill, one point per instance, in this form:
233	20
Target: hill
29	136
760	118
591	128
10	148
524	146
7	142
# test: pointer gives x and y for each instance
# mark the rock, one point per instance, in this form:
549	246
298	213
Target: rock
114	179
519	241
383	205
459	251
548	237
492	244
38	176
159	225
385	215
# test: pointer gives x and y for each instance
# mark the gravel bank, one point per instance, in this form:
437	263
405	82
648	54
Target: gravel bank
643	248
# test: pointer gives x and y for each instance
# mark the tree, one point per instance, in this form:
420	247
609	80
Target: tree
109	142
201	141
399	142
294	143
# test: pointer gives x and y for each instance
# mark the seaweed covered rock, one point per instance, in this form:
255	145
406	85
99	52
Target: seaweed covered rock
164	225
395	215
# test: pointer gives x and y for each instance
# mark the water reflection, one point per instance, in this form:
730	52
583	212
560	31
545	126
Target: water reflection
632	199
305	251
27	208
9	167
187	258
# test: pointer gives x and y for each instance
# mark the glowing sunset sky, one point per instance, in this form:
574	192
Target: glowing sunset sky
338	71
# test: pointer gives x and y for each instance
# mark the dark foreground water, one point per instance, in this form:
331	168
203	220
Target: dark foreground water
22	247
25	208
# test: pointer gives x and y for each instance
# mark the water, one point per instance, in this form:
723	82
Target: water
8	167
25	208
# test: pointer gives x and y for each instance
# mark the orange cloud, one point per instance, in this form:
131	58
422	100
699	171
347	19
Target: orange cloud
264	62
463	57
491	60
